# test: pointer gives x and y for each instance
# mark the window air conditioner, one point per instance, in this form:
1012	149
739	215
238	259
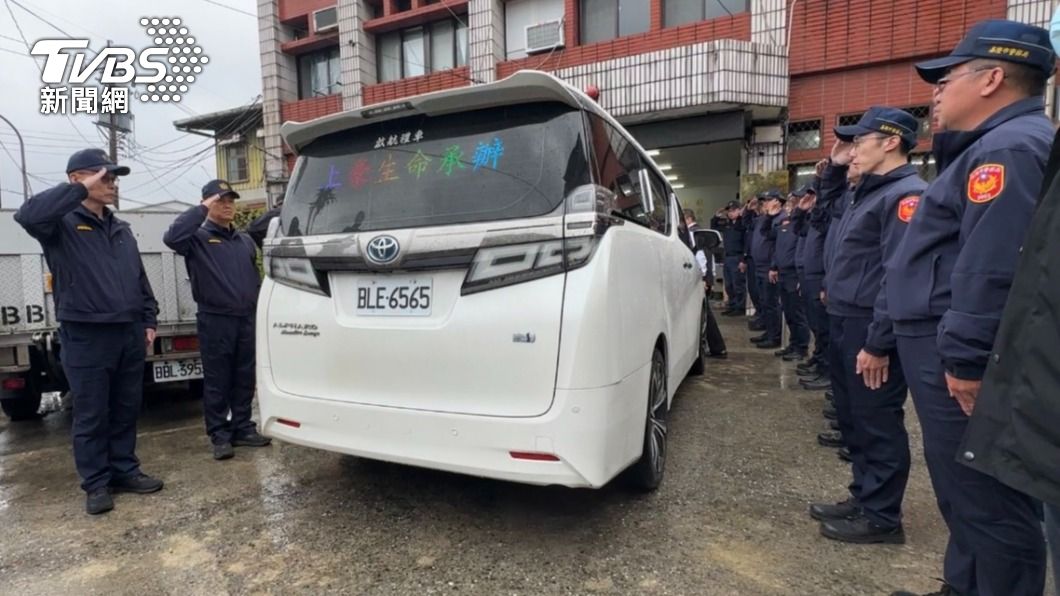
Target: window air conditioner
326	19
544	37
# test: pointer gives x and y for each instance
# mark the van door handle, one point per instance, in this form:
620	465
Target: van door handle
688	265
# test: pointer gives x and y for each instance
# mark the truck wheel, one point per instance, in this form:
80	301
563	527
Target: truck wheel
24	403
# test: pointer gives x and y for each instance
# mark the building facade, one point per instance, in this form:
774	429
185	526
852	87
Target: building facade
239	139
721	91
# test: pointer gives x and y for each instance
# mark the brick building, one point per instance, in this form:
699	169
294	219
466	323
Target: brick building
709	84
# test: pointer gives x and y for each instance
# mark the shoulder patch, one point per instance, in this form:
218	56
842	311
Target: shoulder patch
907	207
986	182
84	228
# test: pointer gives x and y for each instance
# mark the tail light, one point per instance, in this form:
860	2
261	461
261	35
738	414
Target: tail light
186	343
295	272
499	266
14	384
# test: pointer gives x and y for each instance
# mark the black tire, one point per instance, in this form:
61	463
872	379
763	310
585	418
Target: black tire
647	473
25	404
700	365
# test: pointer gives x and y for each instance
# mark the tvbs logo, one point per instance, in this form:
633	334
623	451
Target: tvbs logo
161	72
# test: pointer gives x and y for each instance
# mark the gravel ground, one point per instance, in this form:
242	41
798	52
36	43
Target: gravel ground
730	517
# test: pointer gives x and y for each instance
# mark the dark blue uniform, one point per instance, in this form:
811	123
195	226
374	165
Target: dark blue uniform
750	225
224	283
812	228
763	246
865	237
785	263
734	241
946	288
104	303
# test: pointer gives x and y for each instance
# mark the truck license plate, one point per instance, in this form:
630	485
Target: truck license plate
177	370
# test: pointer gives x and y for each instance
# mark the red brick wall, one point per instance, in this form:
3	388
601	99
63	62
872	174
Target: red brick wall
735	27
307	109
437	81
827	96
836	34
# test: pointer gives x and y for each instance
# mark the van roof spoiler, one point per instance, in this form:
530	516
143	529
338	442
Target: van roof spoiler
524	86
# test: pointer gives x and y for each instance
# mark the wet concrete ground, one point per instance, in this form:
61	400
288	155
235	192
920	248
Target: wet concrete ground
730	517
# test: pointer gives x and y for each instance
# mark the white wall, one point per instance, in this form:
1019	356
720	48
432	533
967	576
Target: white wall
518	14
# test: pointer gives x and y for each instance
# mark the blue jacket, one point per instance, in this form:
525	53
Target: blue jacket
865	238
220	262
763	244
733	237
97	273
952	272
835	195
787	244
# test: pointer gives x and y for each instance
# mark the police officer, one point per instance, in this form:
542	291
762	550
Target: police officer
734	241
867	379
107	314
750	215
812	225
224	283
763	247
784	275
949	280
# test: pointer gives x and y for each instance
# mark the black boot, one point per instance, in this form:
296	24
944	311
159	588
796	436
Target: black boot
829	412
98	501
821	382
847	509
794	355
945	591
844	453
832	438
861	530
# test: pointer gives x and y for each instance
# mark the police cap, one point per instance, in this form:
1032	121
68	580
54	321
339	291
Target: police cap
996	39
218	187
92	160
889	121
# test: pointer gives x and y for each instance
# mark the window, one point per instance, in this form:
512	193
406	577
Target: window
804	135
421	50
319	73
923	114
618	168
849	119
236	162
607	19
680	12
801	174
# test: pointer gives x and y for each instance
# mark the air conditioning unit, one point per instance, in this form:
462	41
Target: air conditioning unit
544	37
326	19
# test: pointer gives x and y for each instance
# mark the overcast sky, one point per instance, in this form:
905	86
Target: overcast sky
232	78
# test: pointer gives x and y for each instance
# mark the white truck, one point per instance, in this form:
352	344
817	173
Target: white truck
30	352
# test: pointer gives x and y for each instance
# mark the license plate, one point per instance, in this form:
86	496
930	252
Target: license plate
176	370
395	297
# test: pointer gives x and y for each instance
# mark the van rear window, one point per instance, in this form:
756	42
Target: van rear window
495	164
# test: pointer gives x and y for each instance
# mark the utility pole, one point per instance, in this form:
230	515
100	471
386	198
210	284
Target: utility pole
114	141
22	152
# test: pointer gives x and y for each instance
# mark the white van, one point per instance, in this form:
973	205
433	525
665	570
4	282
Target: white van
491	280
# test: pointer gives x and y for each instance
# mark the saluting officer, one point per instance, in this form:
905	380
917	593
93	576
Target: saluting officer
812	225
783	274
763	245
224	283
867	379
107	314
949	280
734	241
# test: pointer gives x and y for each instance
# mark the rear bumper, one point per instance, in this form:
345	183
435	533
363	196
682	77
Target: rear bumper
593	432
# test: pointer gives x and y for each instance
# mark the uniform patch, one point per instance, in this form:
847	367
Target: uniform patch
215	241
986	183
907	207
84	228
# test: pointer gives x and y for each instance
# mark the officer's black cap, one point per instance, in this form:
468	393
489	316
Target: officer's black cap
889	121
733	205
772	194
996	40
805	190
92	160
219	187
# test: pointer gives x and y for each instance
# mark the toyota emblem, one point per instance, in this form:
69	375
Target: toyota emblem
383	250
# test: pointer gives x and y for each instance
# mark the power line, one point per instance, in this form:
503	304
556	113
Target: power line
232	8
21	166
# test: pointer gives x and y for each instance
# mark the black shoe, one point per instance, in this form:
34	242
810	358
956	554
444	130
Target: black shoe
794	356
844	453
755	326
768	345
758	339
847	509
251	440
783	352
829	395
833	424
817	384
832	438
223	451
861	530
140	484
829	412
945	591
807	367
722	355
98	501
